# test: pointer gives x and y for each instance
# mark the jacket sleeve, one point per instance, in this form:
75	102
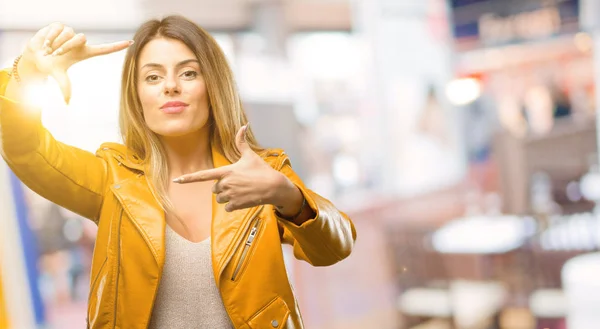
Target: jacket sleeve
323	240
68	176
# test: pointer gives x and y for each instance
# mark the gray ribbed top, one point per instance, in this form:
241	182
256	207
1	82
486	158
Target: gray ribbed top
187	294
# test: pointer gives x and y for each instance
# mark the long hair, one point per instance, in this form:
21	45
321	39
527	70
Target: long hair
226	115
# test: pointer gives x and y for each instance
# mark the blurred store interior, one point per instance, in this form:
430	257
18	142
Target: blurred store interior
460	136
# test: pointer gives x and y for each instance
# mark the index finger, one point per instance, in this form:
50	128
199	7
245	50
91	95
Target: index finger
203	175
107	48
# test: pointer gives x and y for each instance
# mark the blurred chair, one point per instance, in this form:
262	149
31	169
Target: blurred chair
547	302
424	300
580	278
477	304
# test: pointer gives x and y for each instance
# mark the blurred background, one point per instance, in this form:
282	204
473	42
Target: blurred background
459	135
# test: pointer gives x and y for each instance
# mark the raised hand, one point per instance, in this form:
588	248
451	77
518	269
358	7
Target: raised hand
247	183
55	48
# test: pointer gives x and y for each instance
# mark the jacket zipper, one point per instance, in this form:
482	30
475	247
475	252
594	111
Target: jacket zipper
247	245
254	215
118	268
278	167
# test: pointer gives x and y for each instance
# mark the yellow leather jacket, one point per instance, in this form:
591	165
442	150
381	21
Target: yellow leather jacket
111	189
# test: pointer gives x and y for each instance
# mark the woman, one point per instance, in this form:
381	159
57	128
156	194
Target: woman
191	211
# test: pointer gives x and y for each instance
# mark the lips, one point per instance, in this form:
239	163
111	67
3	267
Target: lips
174	107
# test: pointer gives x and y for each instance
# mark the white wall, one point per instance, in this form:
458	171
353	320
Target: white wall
33	14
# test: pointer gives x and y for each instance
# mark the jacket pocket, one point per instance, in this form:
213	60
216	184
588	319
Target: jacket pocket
249	242
272	315
93	289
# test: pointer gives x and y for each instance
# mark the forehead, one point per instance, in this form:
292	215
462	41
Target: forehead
164	51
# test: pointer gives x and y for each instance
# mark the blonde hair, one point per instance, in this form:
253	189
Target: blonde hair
227	115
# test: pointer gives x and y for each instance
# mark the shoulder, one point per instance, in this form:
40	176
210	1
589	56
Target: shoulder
119	154
275	157
111	148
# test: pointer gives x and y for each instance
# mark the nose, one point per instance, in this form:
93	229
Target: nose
172	86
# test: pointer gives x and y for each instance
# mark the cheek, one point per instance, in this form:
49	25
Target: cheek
148	99
200	94
146	96
200	99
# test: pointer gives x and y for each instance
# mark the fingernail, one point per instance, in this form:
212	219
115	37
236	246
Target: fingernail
178	180
131	42
46	43
57	52
48	51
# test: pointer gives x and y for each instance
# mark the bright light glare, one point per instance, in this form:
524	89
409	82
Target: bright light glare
39	95
463	91
6	64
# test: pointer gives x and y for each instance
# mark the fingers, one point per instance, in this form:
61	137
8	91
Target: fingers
204	175
238	201
107	48
222	198
218	187
64	36
232	205
229	207
75	42
64	83
240	140
39	37
55	29
59	39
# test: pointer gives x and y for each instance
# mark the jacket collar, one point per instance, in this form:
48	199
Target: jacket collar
143	208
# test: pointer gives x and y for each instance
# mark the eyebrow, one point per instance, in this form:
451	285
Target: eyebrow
182	63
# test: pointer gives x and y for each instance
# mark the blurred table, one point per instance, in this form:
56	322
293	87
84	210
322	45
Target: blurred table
483	235
474	248
485	250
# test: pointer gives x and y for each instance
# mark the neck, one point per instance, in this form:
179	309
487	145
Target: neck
188	154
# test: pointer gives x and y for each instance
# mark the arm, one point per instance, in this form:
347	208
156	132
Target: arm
70	177
322	239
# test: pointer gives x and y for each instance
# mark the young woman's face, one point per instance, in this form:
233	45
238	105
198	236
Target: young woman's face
171	89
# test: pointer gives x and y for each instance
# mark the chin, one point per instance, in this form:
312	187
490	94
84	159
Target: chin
173	132
174	129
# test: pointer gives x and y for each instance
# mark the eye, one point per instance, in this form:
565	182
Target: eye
152	78
190	74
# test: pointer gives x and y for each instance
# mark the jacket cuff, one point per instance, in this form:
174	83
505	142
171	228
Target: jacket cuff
310	202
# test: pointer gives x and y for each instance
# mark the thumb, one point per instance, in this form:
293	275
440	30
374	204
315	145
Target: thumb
64	83
241	142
